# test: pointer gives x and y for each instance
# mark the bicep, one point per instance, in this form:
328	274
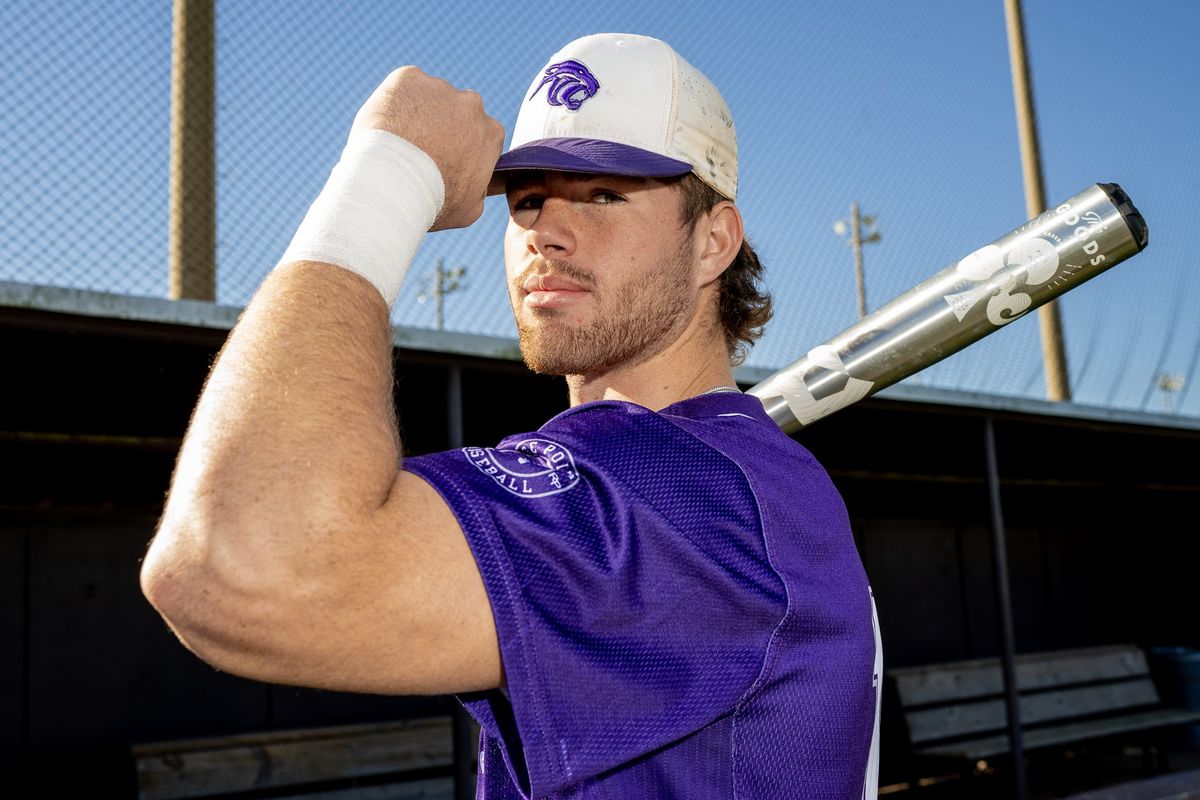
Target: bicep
400	609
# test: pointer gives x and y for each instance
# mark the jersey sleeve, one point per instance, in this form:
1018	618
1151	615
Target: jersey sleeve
632	608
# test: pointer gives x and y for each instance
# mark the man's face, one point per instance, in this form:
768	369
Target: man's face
599	269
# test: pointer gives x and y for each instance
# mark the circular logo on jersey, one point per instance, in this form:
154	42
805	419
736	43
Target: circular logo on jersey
529	468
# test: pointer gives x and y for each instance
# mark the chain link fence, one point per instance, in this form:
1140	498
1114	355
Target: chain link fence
905	110
86	96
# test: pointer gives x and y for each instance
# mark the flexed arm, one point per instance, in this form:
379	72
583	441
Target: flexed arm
292	548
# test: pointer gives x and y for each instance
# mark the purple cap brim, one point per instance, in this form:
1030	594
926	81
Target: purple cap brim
586	155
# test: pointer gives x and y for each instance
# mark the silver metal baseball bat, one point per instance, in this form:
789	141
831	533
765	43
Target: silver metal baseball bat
1093	231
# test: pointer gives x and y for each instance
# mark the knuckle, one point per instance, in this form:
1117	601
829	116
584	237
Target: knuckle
404	76
472	98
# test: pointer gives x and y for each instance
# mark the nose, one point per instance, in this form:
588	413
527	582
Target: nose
552	234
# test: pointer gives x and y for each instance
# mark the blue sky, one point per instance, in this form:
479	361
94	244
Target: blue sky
905	107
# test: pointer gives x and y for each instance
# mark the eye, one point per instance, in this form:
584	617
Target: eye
525	202
606	197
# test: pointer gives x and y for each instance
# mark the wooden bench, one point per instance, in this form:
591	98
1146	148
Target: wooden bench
957	710
1177	786
410	759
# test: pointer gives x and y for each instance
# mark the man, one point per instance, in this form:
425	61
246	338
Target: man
657	593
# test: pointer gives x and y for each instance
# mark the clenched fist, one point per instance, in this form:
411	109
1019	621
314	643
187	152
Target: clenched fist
452	128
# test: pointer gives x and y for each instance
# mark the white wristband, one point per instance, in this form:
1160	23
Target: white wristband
380	200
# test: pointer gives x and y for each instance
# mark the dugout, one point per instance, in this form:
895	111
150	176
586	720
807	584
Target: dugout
1099	507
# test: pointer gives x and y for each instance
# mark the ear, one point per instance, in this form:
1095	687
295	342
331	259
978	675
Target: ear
721	234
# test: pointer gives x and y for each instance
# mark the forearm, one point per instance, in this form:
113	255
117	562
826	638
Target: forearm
287	515
293	444
295	430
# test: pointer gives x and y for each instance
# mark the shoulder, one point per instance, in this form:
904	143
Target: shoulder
601	437
607	471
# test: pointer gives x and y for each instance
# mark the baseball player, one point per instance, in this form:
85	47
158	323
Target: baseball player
654	595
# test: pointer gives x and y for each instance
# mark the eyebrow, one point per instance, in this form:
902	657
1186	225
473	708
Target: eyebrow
522	180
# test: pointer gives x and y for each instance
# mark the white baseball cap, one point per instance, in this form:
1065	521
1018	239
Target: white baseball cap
623	104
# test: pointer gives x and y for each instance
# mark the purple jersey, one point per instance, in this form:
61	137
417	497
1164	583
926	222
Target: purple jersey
680	606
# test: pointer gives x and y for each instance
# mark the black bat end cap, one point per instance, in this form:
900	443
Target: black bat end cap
1133	217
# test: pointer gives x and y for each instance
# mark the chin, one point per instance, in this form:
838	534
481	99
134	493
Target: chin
550	360
555	350
554	344
561	353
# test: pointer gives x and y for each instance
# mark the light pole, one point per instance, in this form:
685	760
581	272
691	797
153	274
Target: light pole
441	283
855	226
1054	352
193	231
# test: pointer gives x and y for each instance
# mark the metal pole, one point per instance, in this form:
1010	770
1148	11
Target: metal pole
1054	355
1004	605
192	234
454	406
856	241
439	291
466	731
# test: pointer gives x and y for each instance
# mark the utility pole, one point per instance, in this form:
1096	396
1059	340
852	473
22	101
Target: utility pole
857	240
1054	354
441	283
1169	385
193	228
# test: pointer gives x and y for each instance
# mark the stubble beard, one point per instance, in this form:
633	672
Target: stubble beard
628	325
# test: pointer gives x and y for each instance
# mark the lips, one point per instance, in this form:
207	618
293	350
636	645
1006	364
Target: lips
551	291
551	283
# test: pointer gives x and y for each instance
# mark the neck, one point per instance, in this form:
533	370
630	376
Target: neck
692	364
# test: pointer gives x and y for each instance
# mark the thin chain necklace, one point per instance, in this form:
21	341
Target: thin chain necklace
719	389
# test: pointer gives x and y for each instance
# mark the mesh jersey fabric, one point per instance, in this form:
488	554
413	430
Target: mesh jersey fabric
680	607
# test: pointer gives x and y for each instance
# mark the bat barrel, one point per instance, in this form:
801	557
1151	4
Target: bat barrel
1026	268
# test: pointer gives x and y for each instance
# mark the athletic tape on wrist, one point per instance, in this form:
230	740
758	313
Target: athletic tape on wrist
380	200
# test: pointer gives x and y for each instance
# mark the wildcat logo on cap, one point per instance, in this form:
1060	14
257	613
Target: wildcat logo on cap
568	80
